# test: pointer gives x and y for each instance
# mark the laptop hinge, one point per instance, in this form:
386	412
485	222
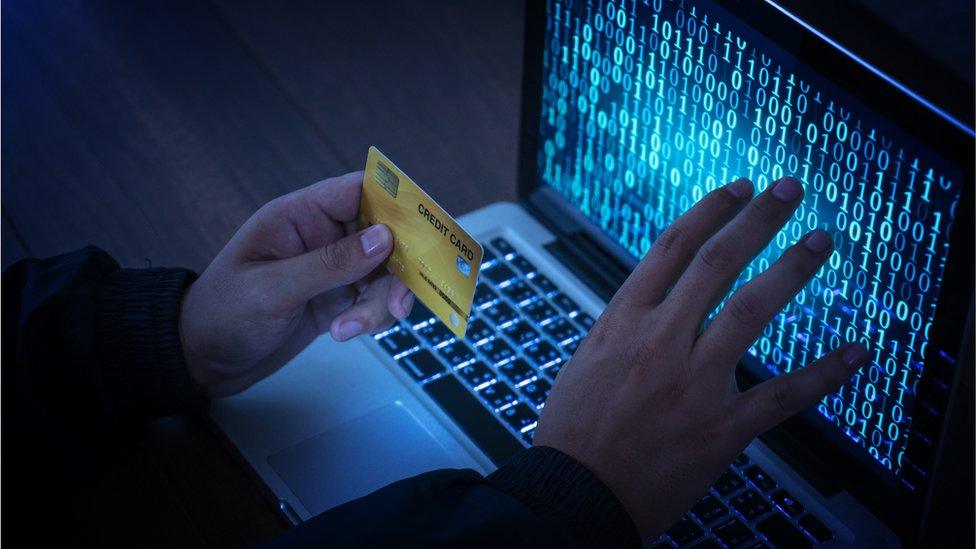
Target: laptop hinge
589	259
588	263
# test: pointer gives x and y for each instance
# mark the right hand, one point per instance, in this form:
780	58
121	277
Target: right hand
649	402
296	269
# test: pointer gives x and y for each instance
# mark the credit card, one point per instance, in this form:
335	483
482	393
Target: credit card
437	259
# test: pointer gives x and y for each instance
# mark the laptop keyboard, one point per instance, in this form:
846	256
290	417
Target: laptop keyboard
494	384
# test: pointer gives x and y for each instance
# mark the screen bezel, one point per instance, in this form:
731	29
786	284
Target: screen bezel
802	438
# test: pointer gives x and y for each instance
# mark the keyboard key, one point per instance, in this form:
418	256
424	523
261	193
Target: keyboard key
684	531
759	477
502	246
584	320
398	341
709	509
750	504
733	533
758	545
539	310
476	373
422	364
520	332
478	330
569	347
780	532
518	291
662	544
517	370
473	418
528	436
741	461
552	370
435	332
456	353
519	416
542	353
497	350
499	273
419	314
544	284
484	295
498	394
708	544
565	303
561	329
728	483
523	265
488	258
817	530
537	391
500	313
784	500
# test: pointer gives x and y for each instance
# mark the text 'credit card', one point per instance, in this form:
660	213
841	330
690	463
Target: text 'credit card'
437	259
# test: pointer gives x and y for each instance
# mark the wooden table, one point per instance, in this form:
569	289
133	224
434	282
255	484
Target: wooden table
154	129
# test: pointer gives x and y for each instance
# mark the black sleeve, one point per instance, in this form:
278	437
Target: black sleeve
89	350
540	498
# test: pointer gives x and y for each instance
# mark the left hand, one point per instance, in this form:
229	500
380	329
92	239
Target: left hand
649	401
294	270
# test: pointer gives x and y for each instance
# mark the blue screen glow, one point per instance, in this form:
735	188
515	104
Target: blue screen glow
649	104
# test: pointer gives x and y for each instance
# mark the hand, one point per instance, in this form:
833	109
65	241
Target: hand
649	401
291	272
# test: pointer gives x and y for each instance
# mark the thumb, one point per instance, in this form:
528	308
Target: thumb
334	265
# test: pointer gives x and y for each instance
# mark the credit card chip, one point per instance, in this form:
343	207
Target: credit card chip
386	178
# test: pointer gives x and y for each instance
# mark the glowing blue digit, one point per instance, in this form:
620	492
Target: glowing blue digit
649	105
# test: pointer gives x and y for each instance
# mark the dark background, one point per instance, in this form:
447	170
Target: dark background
154	129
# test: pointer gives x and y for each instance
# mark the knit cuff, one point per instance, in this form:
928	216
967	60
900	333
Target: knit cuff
550	482
137	343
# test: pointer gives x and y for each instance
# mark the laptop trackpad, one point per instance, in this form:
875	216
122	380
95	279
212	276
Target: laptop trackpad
357	457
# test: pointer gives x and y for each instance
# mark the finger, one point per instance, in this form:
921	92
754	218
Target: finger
336	197
770	402
300	221
724	255
368	314
334	265
400	298
674	248
752	306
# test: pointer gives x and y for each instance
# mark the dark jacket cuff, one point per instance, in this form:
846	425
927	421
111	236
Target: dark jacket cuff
137	343
551	482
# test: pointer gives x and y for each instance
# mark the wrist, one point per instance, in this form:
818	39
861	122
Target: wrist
551	482
204	373
193	364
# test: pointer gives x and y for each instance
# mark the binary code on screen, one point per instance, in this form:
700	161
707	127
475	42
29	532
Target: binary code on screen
648	105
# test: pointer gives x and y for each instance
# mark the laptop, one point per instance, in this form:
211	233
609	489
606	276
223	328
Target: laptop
633	110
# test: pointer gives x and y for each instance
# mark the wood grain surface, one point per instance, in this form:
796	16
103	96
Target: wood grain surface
154	129
433	84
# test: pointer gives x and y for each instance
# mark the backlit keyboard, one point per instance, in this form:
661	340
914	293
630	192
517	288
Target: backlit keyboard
494	384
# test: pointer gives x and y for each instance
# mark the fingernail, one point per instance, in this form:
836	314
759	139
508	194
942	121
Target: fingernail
741	189
349	329
407	303
375	239
817	241
787	189
854	356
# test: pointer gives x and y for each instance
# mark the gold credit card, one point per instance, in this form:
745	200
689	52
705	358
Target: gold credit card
437	259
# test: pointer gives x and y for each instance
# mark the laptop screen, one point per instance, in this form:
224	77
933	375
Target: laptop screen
647	105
